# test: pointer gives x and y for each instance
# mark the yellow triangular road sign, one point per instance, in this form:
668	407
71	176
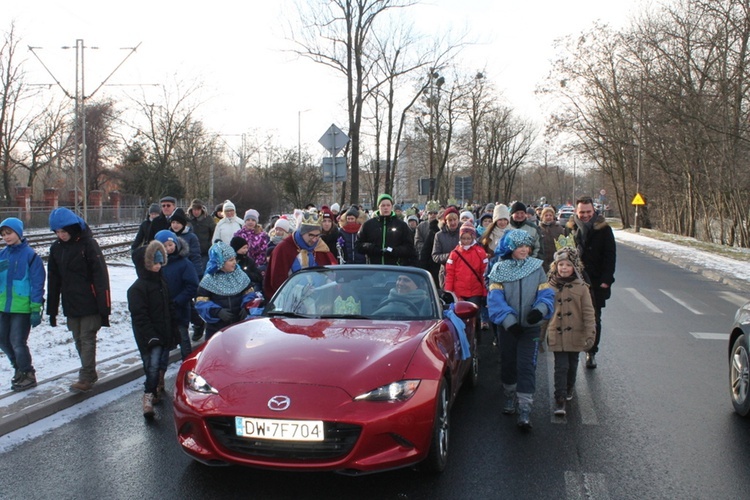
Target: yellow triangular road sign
638	200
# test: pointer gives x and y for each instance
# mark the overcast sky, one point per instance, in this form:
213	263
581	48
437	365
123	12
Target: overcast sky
232	48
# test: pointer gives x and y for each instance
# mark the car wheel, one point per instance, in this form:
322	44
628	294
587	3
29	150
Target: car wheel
437	458
739	376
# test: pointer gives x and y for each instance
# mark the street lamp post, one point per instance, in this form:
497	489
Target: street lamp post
299	135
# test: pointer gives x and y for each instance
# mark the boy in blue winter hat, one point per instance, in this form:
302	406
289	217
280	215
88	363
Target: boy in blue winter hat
519	299
21	296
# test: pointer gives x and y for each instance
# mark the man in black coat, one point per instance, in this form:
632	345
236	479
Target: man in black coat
386	239
596	245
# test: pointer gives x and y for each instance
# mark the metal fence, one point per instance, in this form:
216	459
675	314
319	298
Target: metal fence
38	218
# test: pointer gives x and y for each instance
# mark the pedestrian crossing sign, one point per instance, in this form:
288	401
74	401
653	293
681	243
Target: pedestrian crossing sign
638	200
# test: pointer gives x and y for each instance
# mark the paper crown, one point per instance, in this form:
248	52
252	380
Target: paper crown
310	219
562	242
432	206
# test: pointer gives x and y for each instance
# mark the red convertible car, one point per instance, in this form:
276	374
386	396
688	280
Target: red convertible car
349	368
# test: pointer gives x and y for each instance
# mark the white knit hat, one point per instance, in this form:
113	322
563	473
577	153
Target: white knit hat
228	205
500	212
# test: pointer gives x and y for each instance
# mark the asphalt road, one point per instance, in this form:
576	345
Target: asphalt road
653	421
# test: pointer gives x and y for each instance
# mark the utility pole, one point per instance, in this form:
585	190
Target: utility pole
80	113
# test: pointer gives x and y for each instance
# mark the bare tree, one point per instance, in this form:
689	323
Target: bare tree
338	34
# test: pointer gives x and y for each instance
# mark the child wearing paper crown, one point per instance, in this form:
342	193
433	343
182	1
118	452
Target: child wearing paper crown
572	328
519	299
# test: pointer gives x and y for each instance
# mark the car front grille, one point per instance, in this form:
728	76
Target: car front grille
339	440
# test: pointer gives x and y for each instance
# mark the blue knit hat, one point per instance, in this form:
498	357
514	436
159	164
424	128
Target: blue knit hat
166	235
512	240
218	254
14	224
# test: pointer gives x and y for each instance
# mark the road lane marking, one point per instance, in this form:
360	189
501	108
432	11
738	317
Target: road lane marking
643	300
681	302
582	397
710	336
734	298
585	485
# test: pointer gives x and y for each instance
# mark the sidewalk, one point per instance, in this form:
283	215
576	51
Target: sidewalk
52	395
18	409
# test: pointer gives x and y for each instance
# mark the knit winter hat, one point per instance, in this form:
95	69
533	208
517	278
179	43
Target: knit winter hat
414	218
310	222
468	227
500	212
489	208
283	224
237	242
228	205
448	211
335	208
384	196
569	254
252	214
466	213
14	224
196	203
166	235
353	211
154	208
512	240
218	254
517	207
545	210
179	216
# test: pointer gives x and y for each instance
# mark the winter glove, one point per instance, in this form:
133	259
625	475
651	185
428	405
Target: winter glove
534	316
53	321
515	329
227	316
36	314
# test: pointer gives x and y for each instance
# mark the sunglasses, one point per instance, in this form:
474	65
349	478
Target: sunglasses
166	205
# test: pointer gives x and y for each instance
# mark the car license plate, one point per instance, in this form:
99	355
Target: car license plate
281	430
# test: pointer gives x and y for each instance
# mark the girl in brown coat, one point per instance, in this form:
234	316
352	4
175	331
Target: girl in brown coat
572	328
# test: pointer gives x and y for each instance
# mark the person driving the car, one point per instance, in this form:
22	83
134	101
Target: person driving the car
405	298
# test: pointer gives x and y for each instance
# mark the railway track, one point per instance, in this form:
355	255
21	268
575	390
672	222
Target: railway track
113	240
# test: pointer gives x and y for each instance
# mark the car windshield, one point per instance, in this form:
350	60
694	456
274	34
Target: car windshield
357	292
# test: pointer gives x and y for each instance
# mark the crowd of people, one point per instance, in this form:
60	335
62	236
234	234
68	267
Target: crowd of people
536	282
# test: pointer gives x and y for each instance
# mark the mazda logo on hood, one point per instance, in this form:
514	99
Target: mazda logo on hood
279	403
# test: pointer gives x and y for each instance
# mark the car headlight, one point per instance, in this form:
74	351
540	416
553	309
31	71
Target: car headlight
395	391
196	383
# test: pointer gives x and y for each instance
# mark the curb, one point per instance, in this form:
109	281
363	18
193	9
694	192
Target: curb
52	396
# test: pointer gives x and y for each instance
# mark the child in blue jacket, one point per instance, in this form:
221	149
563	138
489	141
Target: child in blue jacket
21	295
519	299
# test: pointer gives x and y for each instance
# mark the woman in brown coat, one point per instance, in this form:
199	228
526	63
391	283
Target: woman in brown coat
572	328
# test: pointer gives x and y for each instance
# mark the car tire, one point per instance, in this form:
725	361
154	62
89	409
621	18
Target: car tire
437	458
739	376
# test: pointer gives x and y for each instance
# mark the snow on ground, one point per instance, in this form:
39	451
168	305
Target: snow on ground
52	350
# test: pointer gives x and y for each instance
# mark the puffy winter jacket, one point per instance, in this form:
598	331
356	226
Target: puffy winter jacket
386	240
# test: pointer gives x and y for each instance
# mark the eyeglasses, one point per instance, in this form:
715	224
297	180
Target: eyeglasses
313	236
